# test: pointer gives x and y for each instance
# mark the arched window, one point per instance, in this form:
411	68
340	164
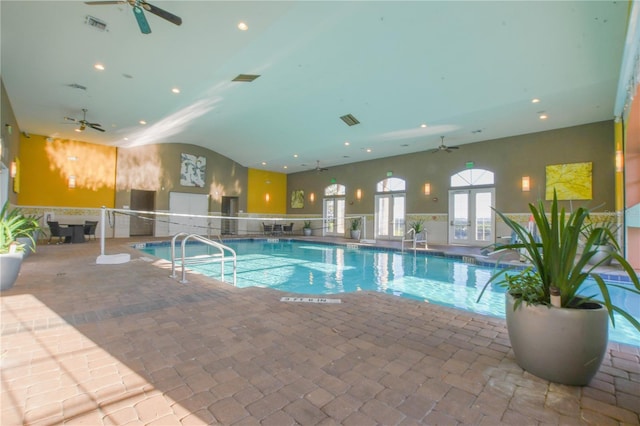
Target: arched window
334	190
391	185
472	177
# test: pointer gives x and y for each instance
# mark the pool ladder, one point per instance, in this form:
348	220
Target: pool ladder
220	256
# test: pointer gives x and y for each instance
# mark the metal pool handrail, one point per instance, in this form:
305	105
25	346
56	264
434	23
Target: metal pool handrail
220	257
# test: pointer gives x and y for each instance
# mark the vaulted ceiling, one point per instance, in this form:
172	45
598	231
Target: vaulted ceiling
467	71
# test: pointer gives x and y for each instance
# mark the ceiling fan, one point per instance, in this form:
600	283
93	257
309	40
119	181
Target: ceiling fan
138	11
318	168
84	123
444	147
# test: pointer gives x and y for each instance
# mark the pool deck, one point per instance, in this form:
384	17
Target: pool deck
126	344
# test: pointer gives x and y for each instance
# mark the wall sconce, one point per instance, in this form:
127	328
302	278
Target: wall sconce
619	161
312	197
13	169
72	182
267	197
427	188
526	184
359	194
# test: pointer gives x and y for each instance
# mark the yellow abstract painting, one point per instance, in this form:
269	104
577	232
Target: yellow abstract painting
571	181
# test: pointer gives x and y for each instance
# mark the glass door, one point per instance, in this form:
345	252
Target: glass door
471	218
333	214
389	216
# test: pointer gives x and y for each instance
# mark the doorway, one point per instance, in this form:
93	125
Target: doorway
471	217
389	216
142	224
229	209
333	214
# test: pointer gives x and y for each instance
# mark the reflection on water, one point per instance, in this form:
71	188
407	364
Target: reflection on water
330	269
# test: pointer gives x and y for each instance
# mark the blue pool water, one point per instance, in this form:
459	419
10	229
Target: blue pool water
312	268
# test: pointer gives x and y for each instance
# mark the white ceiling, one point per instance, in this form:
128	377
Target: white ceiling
468	70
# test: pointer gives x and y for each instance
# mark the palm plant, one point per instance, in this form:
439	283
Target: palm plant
417	226
14	224
356	222
555	261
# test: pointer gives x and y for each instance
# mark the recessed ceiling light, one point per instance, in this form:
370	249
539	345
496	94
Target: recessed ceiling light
543	116
346	143
295	155
78	130
175	90
264	163
368	149
142	122
423	125
535	100
285	167
126	139
99	67
243	26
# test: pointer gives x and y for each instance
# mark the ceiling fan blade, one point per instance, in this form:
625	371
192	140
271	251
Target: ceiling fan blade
71	119
142	21
453	147
95	127
162	13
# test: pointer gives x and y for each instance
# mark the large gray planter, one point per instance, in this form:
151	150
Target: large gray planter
10	264
29	246
355	234
561	345
602	251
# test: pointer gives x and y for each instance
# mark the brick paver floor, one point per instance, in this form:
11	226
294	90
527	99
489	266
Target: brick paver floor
128	345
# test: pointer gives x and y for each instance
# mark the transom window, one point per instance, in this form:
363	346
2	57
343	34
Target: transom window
472	177
335	189
391	185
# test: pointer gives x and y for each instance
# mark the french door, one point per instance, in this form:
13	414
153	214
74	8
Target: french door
333	214
389	216
471	218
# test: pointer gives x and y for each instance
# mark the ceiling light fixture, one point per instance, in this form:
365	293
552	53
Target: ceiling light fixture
346	143
175	90
423	125
543	116
535	100
142	122
99	67
243	26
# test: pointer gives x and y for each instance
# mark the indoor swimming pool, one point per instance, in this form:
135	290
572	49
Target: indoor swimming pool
329	269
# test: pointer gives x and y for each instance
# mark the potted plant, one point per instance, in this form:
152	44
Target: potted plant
356	222
13	225
418	229
560	333
306	228
606	240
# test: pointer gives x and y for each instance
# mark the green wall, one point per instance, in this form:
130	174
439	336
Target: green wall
509	158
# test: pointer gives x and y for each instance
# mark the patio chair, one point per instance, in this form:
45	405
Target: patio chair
287	229
267	229
55	230
90	228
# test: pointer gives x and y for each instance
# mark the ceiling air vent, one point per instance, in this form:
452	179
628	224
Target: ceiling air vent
245	78
95	23
350	120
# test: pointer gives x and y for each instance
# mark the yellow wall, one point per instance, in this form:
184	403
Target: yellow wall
261	183
45	168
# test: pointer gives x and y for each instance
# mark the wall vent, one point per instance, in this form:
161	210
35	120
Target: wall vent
95	23
350	120
245	78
